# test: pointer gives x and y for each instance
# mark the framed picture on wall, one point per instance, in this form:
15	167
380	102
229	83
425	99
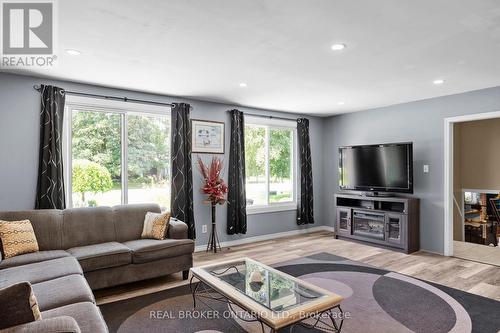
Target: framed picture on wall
207	136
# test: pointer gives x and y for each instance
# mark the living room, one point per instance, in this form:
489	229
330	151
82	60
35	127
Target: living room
247	166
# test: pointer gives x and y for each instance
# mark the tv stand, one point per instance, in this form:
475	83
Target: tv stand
387	221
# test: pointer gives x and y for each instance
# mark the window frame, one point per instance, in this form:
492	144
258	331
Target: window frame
94	104
270	124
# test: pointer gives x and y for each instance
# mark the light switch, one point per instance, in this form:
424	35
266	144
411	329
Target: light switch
426	168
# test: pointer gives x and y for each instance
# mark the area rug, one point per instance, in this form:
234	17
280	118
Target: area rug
376	300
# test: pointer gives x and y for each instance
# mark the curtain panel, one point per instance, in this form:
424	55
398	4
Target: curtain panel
50	183
237	206
305	212
182	174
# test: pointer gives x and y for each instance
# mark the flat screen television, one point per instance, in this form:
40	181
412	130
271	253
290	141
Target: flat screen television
377	168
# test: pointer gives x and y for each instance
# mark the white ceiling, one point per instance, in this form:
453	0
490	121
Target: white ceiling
281	49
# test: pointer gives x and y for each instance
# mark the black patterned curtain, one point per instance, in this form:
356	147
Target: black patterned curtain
50	184
182	174
237	200
305	212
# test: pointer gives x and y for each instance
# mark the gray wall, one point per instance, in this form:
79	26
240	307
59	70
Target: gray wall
19	130
421	122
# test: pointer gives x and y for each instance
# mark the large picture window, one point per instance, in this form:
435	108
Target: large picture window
117	154
270	164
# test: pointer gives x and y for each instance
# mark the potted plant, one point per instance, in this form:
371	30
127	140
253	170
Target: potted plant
216	189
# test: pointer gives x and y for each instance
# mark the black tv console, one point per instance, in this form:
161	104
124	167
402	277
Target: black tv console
387	221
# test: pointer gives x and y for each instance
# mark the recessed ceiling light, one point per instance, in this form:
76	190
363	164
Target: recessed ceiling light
437	82
341	103
243	85
338	47
73	52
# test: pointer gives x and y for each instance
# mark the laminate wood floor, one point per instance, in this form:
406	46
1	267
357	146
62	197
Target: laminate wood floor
477	252
477	278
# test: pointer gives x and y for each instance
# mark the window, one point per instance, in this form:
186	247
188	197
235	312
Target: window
117	153
270	164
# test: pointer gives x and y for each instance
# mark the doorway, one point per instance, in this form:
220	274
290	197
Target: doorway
472	187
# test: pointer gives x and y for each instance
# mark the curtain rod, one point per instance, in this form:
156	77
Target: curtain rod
270	117
115	98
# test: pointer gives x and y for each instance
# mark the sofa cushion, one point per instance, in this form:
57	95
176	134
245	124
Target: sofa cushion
86	226
17	238
99	256
129	220
86	314
146	250
40	271
62	291
63	324
47	224
30	258
18	305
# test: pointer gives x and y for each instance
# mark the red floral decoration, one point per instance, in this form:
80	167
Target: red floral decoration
214	185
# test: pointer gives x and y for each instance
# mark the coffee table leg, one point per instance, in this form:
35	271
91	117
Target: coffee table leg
318	321
193	287
193	290
338	328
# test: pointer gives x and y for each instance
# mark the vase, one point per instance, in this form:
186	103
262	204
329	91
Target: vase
213	239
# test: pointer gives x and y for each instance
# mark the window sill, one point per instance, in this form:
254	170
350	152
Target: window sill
251	210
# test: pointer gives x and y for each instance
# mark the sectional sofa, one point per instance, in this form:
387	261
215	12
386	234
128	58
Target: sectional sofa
84	249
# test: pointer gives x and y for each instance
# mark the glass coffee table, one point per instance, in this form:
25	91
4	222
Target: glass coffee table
266	295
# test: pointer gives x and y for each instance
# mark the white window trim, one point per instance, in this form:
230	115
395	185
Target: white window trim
280	206
101	105
275	207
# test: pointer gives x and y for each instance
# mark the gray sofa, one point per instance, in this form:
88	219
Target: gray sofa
90	248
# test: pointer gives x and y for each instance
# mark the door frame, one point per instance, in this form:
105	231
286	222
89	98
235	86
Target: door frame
448	172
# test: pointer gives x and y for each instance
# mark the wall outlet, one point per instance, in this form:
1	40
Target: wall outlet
204	228
426	168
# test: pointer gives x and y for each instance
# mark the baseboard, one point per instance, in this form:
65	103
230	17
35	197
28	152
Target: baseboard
260	238
434	252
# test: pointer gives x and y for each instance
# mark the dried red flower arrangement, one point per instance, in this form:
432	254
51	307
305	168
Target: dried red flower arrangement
215	187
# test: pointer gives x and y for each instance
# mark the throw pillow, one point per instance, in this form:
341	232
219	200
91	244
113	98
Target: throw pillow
18	305
155	225
17	238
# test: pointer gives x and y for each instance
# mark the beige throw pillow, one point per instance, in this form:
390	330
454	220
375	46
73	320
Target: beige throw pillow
155	225
17	237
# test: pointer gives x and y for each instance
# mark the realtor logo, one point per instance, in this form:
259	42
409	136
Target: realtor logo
27	29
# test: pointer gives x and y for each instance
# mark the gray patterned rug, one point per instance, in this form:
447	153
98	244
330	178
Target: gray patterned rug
376	300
